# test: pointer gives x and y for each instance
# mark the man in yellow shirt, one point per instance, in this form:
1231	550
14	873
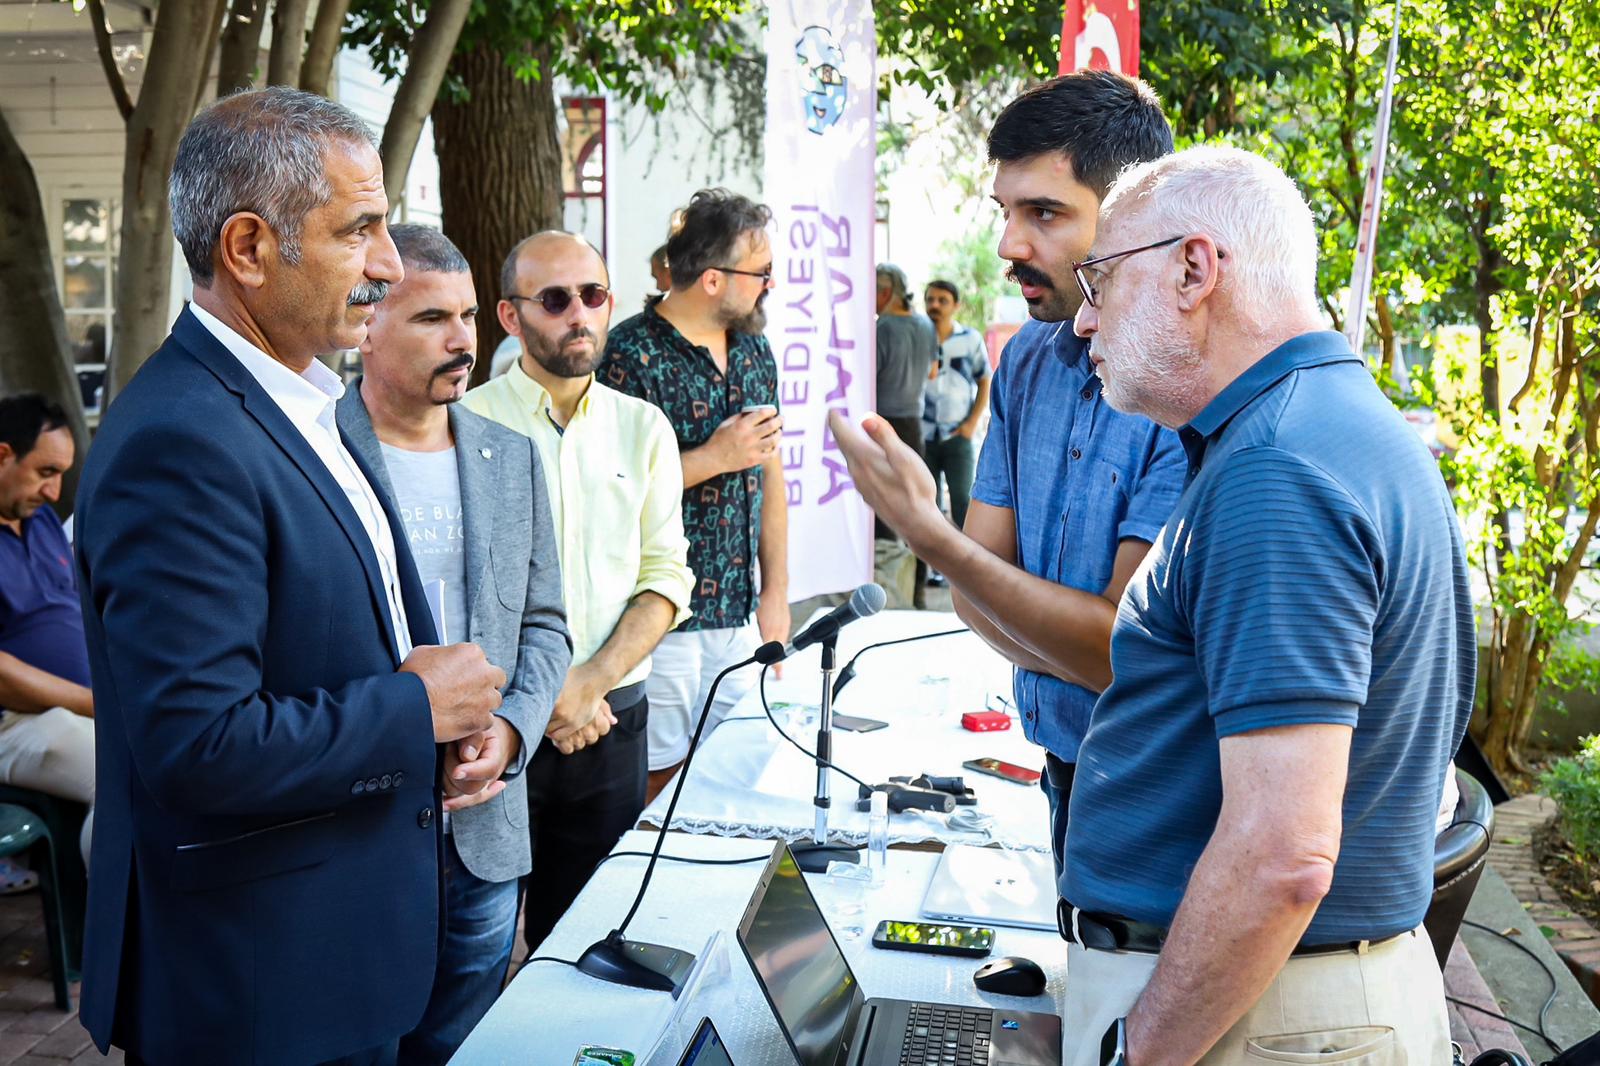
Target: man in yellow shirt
615	486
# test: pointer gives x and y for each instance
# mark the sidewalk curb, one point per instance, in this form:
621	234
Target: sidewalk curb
1511	854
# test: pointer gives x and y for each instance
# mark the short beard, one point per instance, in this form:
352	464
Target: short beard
553	356
1158	372
752	321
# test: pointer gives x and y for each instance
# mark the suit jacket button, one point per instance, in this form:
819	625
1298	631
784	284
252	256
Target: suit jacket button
399	778
386	781
425	817
358	788
372	784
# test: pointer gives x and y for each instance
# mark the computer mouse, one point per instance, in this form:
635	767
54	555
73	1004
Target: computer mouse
1010	976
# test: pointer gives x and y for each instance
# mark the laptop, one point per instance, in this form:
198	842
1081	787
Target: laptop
829	1022
989	886
706	1048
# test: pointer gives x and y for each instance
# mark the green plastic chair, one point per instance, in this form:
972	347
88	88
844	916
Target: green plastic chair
21	830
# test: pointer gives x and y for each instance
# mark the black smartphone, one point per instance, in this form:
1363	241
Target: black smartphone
852	724
932	938
1006	771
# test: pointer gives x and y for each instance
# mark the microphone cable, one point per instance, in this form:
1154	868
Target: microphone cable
849	670
807	752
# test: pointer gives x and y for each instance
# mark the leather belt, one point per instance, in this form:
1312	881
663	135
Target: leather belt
1109	932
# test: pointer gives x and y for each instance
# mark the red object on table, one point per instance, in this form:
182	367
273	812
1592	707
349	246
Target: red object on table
985	721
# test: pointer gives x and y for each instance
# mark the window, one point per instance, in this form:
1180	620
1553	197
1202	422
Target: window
88	259
583	167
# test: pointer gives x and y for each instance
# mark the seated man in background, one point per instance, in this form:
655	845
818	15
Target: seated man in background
614	481
461	484
47	726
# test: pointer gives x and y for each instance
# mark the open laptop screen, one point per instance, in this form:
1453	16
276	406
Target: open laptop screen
798	963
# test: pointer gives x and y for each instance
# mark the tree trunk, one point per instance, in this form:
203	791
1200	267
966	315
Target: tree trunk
288	41
426	63
499	171
180	51
241	46
33	332
317	69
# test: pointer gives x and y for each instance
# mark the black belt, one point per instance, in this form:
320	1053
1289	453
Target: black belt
1108	932
625	697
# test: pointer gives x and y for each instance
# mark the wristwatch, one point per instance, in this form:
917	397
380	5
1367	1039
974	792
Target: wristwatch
1114	1045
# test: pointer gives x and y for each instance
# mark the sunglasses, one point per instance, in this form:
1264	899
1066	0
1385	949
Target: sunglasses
555	299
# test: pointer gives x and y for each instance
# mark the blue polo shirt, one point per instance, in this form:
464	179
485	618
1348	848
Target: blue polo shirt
41	622
1313	572
1080	478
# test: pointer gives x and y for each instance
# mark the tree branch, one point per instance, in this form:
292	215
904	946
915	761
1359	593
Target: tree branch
241	46
288	41
323	49
426	63
108	62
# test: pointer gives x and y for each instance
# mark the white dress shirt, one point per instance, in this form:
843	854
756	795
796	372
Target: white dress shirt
308	400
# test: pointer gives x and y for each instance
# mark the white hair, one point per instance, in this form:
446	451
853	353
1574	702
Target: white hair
1244	203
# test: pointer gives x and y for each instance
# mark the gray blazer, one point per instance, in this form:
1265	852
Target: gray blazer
515	611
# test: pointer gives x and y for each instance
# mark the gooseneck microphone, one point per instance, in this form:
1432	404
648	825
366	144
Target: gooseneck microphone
636	963
864	602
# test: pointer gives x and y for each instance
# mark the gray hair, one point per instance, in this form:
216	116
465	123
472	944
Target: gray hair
898	284
1242	201
424	249
260	152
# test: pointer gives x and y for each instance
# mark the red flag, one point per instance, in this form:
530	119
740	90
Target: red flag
1100	35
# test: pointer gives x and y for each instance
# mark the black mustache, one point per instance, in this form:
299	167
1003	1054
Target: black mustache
368	292
1027	275
462	361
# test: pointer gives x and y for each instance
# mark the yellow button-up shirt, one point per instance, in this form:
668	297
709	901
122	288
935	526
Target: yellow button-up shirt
616	500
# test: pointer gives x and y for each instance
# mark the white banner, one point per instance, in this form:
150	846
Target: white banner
820	156
1355	321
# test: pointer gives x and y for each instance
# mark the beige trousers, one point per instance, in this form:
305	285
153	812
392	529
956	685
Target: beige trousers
53	753
1380	1007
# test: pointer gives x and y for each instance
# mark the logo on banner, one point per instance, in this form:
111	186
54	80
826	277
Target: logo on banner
826	88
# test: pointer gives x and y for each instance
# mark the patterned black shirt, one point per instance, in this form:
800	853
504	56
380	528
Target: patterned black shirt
647	357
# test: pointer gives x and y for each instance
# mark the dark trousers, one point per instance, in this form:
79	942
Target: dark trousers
1057	785
909	430
955	462
378	1056
578	805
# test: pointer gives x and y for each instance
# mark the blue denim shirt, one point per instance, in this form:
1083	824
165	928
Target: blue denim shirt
1080	478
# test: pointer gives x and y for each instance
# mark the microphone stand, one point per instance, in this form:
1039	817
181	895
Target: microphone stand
815	856
636	963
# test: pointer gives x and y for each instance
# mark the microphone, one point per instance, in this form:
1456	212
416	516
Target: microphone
656	966
864	602
849	670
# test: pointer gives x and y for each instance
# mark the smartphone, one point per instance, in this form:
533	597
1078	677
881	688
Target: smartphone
1006	771
768	408
593	1055
971	941
850	723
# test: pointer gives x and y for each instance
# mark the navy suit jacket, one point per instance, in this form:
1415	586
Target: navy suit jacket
264	885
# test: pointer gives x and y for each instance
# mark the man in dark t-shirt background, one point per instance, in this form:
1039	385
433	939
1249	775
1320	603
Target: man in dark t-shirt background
47	726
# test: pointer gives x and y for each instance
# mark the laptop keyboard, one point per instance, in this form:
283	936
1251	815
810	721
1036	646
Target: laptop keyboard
946	1036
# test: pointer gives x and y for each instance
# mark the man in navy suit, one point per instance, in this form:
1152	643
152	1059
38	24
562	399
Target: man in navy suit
265	880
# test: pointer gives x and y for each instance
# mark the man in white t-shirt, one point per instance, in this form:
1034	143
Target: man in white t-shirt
460	484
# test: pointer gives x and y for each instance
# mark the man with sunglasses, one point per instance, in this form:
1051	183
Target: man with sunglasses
1069	493
615	485
698	354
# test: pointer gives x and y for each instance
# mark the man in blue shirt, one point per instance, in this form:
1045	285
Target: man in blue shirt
1069	493
46	707
1253	825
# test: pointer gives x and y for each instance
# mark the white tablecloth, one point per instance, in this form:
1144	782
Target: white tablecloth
550	1010
746	781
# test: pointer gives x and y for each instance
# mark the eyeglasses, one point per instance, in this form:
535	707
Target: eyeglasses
764	275
1091	295
555	299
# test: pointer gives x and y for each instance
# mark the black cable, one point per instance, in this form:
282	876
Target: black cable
849	670
807	752
547	958
684	858
1554	987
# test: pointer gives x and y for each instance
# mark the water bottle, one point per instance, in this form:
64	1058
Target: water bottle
878	837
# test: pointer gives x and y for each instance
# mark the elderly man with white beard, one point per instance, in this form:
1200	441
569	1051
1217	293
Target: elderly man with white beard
1292	667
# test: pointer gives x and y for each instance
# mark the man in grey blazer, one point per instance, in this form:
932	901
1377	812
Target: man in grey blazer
473	502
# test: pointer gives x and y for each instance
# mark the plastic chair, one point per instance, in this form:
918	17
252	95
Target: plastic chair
1459	854
64	818
22	830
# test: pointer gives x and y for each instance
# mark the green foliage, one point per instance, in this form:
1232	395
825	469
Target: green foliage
1574	784
969	261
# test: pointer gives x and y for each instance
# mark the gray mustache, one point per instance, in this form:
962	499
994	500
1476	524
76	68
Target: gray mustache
368	292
